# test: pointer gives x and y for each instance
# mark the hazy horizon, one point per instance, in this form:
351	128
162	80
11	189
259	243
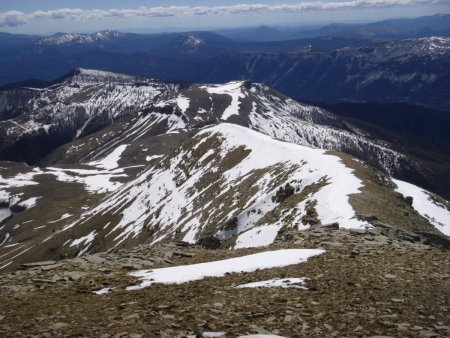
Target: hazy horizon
48	17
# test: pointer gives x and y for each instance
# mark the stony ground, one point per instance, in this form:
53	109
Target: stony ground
367	284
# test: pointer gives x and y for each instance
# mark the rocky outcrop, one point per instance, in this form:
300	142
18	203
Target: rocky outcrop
356	288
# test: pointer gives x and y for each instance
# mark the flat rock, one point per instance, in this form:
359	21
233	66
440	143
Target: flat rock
59	326
429	334
182	244
334	225
389	276
397	300
171	317
182	254
51	267
388	317
75	275
131	317
358	231
35	264
95	259
41	280
367	217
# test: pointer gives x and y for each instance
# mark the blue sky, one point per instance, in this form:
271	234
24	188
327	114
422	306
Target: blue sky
50	16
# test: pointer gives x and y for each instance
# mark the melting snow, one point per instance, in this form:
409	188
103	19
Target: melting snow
187	273
153	157
29	203
277	282
85	239
314	164
261	336
5	239
95	181
110	161
208	335
223	334
4	214
102	291
234	90
20	180
437	214
183	103
66	215
157	189
258	236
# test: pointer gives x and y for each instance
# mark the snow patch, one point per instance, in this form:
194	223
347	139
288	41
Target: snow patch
85	239
187	273
153	157
111	161
258	236
6	239
208	335
233	89
261	336
276	282
436	213
4	214
102	291
95	181
66	215
183	103
29	203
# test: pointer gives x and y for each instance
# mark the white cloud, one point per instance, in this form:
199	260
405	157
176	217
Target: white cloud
12	19
16	18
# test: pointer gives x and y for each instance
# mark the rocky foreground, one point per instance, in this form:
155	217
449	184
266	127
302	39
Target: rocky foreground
378	282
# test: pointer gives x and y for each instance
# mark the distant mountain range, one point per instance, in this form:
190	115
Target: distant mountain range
393	29
346	64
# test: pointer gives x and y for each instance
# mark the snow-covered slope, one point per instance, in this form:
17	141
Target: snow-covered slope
126	160
74	38
87	101
227	182
437	211
227	172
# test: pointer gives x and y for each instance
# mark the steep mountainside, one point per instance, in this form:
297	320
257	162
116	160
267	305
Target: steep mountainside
37	121
419	132
400	123
87	101
226	186
412	70
127	160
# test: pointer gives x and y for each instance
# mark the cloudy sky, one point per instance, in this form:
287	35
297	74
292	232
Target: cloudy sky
50	16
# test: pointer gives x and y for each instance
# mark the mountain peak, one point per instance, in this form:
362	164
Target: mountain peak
432	45
76	38
102	75
193	41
